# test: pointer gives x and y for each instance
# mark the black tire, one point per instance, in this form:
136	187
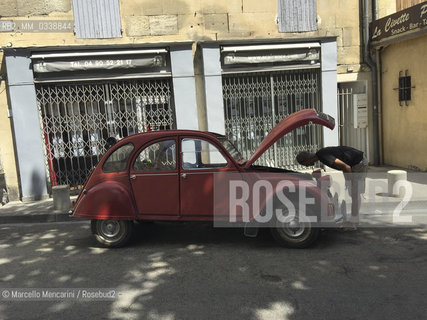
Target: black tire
295	234
112	233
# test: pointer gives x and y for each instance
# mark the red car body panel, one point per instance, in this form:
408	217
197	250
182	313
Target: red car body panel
109	199
179	194
146	187
294	193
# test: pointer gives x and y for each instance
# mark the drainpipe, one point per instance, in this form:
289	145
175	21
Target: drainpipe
374	9
372	65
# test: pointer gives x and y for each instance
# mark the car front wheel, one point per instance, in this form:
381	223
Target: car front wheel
295	233
112	233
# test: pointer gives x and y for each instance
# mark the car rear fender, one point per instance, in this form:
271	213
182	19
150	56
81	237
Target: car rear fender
111	199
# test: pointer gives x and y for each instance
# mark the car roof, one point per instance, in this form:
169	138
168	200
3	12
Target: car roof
149	135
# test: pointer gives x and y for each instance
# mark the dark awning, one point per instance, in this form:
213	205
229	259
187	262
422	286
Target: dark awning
72	66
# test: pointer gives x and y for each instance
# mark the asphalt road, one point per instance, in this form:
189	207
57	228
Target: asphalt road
192	271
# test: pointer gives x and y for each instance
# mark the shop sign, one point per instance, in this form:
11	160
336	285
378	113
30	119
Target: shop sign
43	66
400	22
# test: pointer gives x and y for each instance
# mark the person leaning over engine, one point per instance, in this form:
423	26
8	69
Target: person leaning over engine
350	161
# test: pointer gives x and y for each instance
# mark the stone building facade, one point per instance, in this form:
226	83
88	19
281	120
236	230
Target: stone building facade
76	72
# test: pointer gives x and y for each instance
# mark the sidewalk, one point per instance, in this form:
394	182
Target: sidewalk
377	206
32	212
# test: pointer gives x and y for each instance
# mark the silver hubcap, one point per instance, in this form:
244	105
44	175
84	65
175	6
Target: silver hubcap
110	228
293	228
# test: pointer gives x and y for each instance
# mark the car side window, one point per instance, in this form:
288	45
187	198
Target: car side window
118	160
159	156
200	154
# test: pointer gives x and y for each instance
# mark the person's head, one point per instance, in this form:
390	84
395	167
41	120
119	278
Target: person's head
306	158
111	141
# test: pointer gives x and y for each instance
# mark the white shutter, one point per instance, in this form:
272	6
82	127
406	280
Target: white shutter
97	19
297	15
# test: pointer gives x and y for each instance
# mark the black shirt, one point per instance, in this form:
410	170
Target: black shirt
346	154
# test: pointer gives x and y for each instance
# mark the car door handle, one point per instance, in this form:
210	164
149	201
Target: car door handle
184	175
132	176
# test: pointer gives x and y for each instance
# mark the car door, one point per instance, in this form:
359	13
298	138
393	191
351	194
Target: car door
201	159
155	180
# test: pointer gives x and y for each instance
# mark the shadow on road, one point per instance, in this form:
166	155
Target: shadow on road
193	271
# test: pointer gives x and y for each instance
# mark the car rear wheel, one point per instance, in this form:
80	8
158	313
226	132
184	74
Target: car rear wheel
294	233
112	233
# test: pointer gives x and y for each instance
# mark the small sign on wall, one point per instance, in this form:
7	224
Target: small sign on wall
360	104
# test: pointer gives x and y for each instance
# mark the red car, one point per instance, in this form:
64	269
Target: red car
174	175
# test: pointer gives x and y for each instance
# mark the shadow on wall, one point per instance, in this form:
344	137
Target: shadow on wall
38	186
3	191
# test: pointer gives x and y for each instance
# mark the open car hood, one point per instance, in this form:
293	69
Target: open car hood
291	122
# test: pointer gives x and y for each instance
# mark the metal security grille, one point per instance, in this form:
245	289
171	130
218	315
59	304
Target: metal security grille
255	102
77	119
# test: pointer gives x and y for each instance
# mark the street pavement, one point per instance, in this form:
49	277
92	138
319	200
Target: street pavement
194	271
176	271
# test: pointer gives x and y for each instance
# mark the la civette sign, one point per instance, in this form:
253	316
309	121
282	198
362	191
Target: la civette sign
403	21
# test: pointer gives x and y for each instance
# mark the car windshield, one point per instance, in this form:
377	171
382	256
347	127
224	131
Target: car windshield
231	148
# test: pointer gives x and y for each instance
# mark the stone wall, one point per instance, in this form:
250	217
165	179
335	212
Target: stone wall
182	20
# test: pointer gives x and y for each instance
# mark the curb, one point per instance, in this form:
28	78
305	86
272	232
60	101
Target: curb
37	218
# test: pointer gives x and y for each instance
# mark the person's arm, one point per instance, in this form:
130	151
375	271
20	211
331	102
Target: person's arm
341	165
